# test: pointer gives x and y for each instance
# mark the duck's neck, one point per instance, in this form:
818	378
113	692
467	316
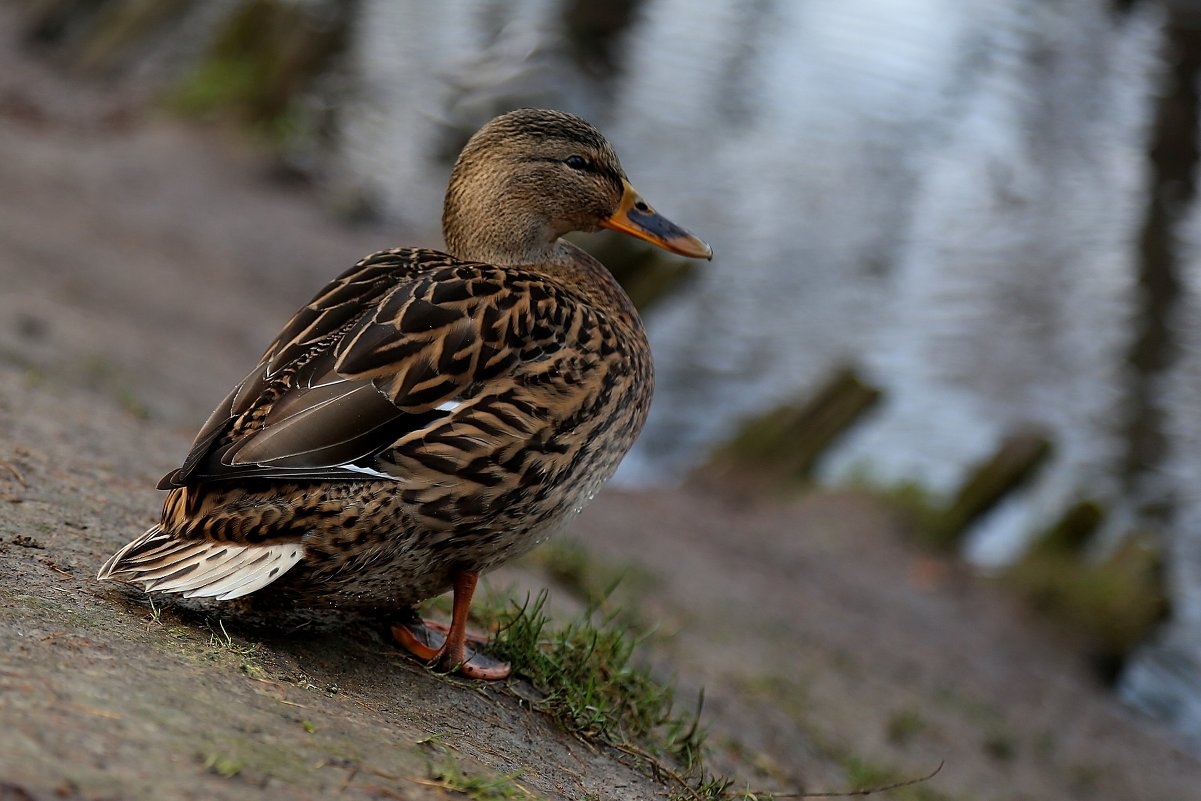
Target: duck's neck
481	221
517	243
503	250
574	268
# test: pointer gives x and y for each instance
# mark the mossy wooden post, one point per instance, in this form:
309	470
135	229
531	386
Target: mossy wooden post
263	56
1114	602
1074	529
1013	464
787	441
121	26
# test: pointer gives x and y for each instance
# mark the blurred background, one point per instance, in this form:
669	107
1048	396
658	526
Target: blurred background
957	241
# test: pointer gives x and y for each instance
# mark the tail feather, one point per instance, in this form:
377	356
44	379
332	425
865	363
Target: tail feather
156	554
120	561
258	572
217	566
199	568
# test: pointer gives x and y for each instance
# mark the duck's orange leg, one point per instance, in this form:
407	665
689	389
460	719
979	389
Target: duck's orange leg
446	648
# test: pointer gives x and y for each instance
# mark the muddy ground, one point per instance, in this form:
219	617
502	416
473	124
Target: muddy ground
143	265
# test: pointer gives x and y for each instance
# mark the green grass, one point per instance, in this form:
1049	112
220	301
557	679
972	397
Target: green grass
223	764
222	647
602	585
590	683
215	84
478	787
568	562
904	725
592	687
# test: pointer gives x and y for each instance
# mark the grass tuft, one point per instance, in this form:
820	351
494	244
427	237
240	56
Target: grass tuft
221	642
223	765
590	685
448	775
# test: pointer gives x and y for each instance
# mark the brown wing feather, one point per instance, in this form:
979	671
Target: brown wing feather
369	361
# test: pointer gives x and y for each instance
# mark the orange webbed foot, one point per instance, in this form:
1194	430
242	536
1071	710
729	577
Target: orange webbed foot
428	642
445	647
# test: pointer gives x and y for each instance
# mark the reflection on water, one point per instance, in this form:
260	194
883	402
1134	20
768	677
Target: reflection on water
1164	680
944	192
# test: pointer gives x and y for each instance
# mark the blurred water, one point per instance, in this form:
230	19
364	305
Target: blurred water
803	189
944	193
1016	282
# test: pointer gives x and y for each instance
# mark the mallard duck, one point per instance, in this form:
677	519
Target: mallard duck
428	415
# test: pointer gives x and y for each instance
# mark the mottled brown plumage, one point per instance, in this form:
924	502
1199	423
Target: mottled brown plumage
427	416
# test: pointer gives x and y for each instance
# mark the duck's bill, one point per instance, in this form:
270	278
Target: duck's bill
636	217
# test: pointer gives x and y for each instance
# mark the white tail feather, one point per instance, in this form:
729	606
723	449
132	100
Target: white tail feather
255	570
199	569
217	566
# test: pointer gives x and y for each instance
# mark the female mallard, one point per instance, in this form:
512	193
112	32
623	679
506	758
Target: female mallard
428	415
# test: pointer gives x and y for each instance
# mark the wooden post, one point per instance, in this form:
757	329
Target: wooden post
1011	466
787	441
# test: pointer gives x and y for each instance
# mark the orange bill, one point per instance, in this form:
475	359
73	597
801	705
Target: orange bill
635	217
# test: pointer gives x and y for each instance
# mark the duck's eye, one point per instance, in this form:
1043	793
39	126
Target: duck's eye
576	162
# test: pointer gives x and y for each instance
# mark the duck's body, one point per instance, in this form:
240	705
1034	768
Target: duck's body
513	403
426	417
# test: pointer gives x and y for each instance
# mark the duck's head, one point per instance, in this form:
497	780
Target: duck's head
532	175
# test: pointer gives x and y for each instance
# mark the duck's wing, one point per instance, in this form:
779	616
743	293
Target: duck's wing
386	351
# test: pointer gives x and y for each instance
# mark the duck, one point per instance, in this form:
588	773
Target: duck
429	415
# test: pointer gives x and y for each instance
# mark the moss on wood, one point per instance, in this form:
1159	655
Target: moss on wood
1012	465
265	55
787	441
119	29
1114	601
